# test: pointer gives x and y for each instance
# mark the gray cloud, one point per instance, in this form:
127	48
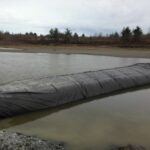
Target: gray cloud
89	16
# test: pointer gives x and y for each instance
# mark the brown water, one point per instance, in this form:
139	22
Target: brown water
94	125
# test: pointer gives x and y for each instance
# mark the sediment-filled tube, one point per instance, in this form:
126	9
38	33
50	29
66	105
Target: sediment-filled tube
32	95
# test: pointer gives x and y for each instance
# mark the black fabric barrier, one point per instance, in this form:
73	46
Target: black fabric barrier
32	95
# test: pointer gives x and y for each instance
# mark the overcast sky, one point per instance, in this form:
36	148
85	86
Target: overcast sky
88	16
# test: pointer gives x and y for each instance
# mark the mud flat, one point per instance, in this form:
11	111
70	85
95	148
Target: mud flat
10	49
32	95
92	50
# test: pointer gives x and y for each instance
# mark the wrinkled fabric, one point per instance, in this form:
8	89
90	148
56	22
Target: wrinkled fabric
32	95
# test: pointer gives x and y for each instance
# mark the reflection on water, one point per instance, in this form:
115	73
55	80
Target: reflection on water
94	125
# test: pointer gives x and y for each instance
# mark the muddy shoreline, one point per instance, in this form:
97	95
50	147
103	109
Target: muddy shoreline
97	50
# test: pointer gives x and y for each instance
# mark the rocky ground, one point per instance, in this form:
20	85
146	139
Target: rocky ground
129	147
17	141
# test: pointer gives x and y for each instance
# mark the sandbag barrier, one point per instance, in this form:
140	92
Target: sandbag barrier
32	95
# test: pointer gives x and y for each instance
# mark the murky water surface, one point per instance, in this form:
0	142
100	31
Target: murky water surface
94	125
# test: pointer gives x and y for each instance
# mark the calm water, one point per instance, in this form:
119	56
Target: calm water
94	125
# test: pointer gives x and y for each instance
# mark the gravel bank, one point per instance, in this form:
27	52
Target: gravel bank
17	141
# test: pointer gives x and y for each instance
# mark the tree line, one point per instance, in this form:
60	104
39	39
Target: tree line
126	37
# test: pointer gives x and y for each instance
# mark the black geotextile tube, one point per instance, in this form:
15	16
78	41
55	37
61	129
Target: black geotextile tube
32	95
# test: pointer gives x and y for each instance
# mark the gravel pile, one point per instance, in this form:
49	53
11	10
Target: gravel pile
17	141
